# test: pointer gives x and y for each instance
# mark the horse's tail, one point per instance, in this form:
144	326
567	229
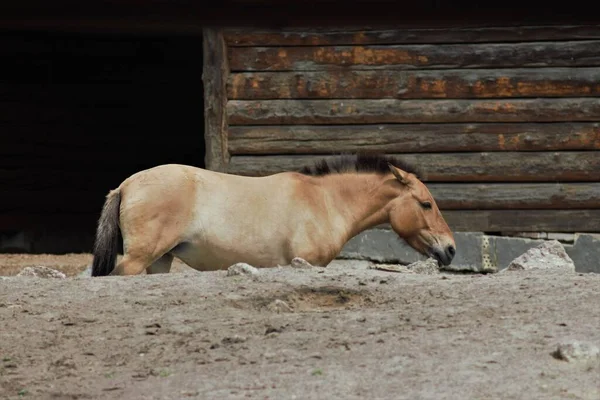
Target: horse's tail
107	235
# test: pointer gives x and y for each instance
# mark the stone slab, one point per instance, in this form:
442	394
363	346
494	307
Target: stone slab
585	253
384	246
475	252
380	245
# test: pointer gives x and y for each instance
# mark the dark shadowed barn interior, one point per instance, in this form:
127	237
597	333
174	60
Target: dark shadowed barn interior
82	111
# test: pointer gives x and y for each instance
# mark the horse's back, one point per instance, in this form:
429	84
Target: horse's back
209	198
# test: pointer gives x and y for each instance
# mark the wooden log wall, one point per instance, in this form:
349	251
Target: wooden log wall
504	121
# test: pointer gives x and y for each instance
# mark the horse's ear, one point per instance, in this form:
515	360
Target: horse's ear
402	176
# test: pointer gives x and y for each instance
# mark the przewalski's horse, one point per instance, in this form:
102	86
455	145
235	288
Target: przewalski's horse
211	220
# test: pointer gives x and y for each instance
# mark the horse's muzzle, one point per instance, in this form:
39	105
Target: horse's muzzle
445	255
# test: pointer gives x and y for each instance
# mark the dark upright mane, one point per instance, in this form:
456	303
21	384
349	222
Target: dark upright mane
376	163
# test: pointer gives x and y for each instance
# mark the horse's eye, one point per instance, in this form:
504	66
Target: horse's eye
426	205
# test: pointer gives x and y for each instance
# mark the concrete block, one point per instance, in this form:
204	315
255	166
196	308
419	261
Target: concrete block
384	246
469	255
475	252
504	249
585	253
380	245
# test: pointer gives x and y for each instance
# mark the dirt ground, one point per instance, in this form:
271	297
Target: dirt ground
342	332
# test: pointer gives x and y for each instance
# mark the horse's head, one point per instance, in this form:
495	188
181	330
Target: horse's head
416	218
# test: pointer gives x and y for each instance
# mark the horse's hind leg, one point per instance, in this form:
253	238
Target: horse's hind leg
149	253
161	266
151	225
132	265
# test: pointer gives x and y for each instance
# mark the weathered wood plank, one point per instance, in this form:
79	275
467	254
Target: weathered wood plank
214	78
364	36
443	56
294	112
491	196
483	83
413	138
458	167
523	220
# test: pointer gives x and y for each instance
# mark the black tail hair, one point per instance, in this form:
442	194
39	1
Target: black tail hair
106	245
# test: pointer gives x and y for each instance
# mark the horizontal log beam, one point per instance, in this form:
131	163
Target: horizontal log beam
513	196
443	56
294	112
357	36
458	167
386	84
523	220
413	138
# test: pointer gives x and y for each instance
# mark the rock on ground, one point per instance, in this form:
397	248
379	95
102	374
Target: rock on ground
279	306
41	272
86	272
427	267
550	255
241	269
298	262
575	350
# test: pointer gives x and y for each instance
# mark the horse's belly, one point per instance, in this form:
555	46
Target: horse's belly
214	257
232	226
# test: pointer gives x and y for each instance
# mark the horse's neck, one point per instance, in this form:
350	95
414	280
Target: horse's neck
360	199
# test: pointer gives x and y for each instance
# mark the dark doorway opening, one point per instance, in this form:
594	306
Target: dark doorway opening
81	112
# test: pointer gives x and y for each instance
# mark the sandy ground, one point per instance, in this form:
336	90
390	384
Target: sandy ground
350	332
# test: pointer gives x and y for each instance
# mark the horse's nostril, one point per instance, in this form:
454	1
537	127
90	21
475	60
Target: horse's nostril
451	250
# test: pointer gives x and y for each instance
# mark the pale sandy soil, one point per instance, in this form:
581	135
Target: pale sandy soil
351	333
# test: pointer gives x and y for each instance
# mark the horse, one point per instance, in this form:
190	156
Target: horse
211	220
